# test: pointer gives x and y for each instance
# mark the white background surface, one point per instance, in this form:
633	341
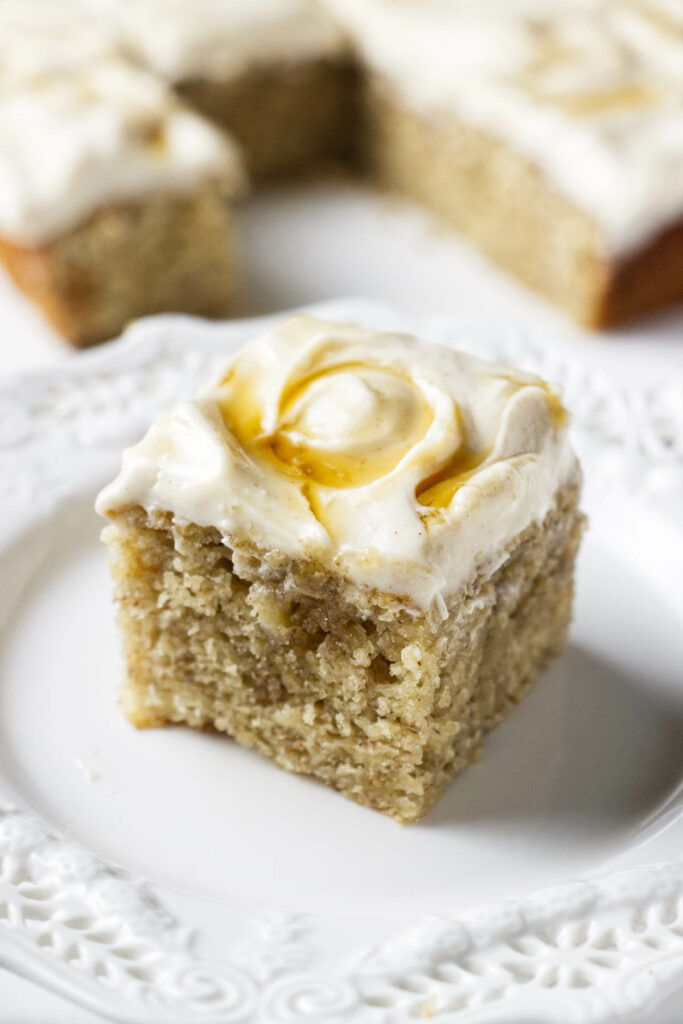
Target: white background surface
304	245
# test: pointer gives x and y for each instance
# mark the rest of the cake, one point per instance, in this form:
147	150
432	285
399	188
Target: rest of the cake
353	552
113	200
548	133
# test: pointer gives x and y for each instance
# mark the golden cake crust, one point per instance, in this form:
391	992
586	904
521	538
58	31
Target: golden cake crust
156	255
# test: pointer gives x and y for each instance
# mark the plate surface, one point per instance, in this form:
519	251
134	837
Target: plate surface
167	873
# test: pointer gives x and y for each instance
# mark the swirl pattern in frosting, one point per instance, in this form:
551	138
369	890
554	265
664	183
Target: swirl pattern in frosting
349	425
405	467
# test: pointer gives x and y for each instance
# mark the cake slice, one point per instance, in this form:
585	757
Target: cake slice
549	134
277	74
353	552
114	200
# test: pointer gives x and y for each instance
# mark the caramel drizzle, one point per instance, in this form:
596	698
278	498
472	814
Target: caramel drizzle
636	96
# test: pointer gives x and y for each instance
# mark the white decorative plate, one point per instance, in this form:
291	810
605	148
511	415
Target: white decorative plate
171	876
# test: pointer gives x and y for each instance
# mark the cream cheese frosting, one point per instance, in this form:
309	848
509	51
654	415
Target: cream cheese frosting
102	133
590	90
219	39
403	466
39	37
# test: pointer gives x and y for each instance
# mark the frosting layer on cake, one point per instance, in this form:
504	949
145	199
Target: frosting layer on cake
38	37
590	90
222	38
103	133
403	466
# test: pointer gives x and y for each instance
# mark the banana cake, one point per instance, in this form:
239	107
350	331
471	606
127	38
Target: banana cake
353	552
114	199
548	133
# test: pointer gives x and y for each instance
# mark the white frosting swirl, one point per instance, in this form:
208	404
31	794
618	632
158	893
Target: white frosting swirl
102	133
223	38
590	90
405	467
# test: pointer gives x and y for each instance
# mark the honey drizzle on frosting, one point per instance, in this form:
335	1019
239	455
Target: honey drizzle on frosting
243	415
327	463
438	490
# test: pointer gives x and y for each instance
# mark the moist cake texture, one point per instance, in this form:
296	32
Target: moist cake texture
353	552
